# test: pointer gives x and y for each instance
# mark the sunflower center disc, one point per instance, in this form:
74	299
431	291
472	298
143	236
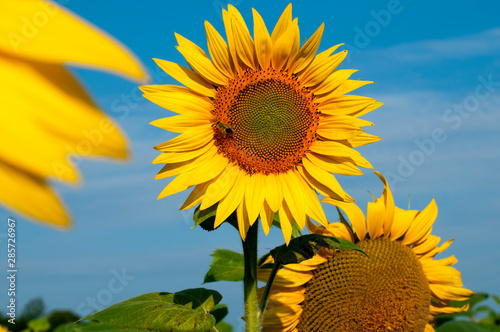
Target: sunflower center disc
353	293
264	121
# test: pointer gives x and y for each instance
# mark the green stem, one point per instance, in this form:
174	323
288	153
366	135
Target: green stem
269	284
213	329
250	279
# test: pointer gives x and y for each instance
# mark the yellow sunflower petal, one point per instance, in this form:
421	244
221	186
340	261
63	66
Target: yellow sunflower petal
202	65
334	165
333	81
178	99
227	17
220	187
450	293
282	48
286	221
402	221
243	221
219	50
284	22
388	205
285	295
64	37
318	71
375	218
427	246
324	182
188	140
232	200
435	250
209	170
83	131
263	43
274	192
306	53
436	310
172	169
176	157
444	275
429	328
332	148
348	86
266	217
340	230
345	105
43	203
312	204
354	214
186	76
196	196
421	227
254	197
175	186
244	44
286	277
362	139
293	197
181	123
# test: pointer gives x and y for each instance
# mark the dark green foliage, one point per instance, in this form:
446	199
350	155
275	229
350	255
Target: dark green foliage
187	310
479	318
306	246
227	265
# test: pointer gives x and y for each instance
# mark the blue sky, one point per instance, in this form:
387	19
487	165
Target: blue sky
436	68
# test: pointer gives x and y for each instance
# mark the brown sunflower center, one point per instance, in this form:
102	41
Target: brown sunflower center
264	121
351	292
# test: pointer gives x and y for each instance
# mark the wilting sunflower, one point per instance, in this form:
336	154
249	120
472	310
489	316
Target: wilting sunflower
46	115
263	122
400	287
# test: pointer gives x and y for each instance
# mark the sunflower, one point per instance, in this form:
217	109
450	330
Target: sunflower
399	287
46	114
263	122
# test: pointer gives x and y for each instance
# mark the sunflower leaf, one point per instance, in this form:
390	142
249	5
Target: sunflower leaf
205	218
39	324
95	327
461	326
187	310
224	327
306	246
227	265
219	312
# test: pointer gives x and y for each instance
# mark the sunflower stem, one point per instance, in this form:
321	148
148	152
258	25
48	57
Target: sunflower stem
250	280
267	290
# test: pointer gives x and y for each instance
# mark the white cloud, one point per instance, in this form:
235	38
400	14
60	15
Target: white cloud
469	46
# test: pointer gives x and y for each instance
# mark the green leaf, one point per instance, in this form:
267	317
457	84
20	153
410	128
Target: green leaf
39	325
187	310
460	326
33	309
227	265
496	298
205	218
306	246
95	327
219	312
473	301
224	327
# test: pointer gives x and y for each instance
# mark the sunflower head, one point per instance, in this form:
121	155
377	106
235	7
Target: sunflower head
399	287
264	121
